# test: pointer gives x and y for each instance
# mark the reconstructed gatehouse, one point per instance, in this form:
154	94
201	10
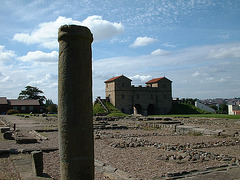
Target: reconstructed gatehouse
154	98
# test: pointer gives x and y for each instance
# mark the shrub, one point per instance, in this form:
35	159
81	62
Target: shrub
12	111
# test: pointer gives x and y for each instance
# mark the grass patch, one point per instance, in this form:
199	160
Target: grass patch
220	116
195	134
185	108
97	108
150	128
117	114
114	112
27	114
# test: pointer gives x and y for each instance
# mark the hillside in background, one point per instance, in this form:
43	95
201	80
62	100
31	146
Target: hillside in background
185	108
99	110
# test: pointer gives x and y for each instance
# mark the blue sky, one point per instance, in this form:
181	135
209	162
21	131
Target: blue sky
194	43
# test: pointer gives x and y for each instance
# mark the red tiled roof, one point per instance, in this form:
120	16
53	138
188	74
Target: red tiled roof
112	79
154	80
27	102
236	112
3	100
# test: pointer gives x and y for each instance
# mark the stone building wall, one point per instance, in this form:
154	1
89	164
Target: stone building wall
110	92
155	98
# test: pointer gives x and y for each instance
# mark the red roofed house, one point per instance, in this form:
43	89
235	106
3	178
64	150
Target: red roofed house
233	109
155	98
3	105
23	106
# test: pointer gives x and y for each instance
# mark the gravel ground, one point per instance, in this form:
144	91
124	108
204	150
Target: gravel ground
52	166
141	162
183	139
144	162
7	169
230	150
50	143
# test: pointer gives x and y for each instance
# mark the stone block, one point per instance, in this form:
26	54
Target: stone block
109	169
4	129
208	132
8	135
25	140
37	163
199	130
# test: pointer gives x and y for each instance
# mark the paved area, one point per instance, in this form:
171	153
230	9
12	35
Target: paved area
23	164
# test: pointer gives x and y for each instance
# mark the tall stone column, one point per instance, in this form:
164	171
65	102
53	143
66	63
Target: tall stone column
75	103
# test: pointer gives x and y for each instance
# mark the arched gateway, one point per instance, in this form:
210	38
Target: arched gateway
147	100
138	108
151	109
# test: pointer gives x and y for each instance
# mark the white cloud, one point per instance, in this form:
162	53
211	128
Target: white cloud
159	52
225	51
29	69
39	56
196	74
142	41
102	29
46	33
142	78
169	45
224	36
6	55
47	83
209	78
5	79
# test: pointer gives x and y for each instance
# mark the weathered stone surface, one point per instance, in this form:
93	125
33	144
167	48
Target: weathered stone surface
75	102
26	140
4	129
8	135
37	163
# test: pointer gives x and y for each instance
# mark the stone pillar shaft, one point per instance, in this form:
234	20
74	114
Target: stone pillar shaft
75	103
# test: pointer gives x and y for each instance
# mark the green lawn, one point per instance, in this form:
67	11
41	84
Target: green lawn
97	108
223	116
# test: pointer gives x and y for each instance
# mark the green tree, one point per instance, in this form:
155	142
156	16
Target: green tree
48	102
213	106
190	101
223	109
32	93
52	108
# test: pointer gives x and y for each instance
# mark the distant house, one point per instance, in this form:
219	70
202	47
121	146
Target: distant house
233	109
154	98
23	106
3	105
